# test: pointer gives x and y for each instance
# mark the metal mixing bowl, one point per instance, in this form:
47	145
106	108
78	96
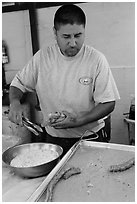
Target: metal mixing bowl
34	171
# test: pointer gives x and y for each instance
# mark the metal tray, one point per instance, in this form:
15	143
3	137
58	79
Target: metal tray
95	183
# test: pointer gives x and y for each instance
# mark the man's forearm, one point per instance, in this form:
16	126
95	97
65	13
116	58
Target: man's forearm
16	110
15	94
100	111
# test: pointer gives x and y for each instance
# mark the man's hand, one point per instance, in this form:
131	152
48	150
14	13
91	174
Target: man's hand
16	112
69	121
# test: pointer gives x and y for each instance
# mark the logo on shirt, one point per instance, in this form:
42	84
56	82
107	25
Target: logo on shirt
85	80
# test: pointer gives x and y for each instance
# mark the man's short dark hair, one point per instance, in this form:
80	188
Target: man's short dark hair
69	14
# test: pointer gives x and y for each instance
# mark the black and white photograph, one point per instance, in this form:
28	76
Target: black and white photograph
68	101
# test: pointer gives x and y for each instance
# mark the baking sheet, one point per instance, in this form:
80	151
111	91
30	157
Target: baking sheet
96	183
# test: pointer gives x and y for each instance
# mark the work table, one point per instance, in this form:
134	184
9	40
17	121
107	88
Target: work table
95	183
15	188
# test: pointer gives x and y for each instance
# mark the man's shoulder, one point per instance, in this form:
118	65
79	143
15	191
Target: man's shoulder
49	48
95	53
93	50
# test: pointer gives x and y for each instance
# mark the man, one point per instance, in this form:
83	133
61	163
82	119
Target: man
71	78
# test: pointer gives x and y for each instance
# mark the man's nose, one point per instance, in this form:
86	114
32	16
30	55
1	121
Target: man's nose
72	42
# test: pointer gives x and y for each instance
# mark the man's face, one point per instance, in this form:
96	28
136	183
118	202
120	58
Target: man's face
70	38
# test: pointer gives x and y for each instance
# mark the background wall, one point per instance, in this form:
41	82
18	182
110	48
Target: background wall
110	29
16	34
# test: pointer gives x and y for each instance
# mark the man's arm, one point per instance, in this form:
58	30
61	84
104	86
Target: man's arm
16	110
15	94
83	118
99	112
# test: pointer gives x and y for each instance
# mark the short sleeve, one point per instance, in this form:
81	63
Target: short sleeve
105	89
26	78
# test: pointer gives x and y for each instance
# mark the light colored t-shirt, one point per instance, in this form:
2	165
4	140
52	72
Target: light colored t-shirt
73	84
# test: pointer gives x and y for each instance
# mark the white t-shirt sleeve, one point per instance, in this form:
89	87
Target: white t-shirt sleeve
105	89
26	78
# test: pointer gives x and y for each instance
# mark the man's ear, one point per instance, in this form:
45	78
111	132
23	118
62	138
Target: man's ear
55	32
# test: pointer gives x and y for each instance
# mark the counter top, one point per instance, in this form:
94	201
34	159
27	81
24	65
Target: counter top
15	188
94	159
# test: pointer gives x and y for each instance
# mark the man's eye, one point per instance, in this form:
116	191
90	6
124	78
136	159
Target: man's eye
66	37
77	36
